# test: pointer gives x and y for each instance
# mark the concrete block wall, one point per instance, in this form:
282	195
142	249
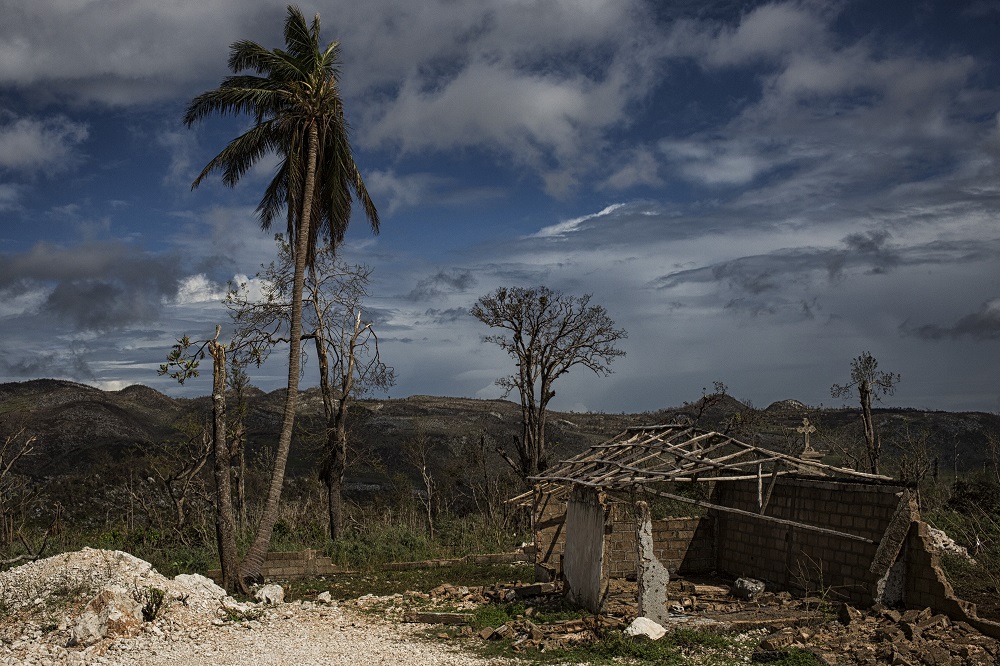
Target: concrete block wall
300	564
803	560
549	515
925	584
297	564
683	545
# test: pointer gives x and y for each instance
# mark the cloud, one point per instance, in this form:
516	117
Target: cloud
67	363
97	52
10	194
457	280
97	286
640	167
199	289
716	164
981	325
765	34
447	316
569	226
39	145
414	190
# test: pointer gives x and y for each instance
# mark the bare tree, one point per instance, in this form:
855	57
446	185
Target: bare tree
547	333
871	383
418	450
239	384
490	486
178	463
17	494
346	345
182	363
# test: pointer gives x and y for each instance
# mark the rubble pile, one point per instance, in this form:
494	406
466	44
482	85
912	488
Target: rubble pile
890	636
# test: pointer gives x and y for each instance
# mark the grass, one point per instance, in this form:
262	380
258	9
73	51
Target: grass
679	648
384	583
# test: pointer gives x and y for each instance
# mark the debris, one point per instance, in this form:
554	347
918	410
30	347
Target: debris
848	614
643	626
437	618
113	612
271	595
778	640
747	588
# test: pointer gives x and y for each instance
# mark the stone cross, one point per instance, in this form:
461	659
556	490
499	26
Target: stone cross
805	429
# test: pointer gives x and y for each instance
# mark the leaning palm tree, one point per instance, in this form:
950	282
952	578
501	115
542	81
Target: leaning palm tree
294	99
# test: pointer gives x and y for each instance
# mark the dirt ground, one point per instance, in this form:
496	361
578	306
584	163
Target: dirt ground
835	633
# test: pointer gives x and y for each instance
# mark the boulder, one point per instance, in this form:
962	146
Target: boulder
747	588
113	612
643	626
271	595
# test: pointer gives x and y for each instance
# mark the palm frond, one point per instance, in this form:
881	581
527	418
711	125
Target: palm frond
287	92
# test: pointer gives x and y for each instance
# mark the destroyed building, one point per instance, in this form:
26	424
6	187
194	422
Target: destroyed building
791	521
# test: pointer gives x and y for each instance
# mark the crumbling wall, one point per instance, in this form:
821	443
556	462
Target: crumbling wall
584	566
801	560
925	583
549	522
683	545
653	576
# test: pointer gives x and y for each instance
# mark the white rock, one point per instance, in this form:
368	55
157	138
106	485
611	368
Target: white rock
270	594
324	597
643	626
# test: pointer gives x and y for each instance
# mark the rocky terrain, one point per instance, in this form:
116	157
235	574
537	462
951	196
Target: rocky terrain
93	607
98	607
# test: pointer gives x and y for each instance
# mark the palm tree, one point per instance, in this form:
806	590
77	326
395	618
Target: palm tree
294	99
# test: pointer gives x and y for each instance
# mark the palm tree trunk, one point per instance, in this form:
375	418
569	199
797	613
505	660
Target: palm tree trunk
254	562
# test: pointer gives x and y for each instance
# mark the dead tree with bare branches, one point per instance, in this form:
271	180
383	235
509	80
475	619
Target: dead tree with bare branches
547	333
871	383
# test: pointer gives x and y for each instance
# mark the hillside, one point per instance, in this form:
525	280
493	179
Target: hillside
79	427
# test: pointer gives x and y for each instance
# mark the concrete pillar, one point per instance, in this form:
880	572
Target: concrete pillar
584	566
653	576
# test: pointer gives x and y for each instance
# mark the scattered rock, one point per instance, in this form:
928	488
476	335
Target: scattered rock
848	614
113	612
437	618
272	595
748	589
643	626
778	640
945	543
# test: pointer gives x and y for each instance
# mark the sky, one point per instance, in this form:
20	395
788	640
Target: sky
758	192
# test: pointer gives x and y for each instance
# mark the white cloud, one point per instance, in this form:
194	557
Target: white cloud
198	289
569	226
721	163
769	31
34	145
640	168
401	191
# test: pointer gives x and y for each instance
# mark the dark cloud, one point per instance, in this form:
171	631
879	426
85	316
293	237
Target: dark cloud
446	316
873	247
70	364
97	286
457	280
981	325
378	316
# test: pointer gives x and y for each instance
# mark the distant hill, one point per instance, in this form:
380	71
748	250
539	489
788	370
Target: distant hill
79	427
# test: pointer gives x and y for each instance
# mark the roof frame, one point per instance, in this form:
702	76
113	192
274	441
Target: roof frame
678	452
